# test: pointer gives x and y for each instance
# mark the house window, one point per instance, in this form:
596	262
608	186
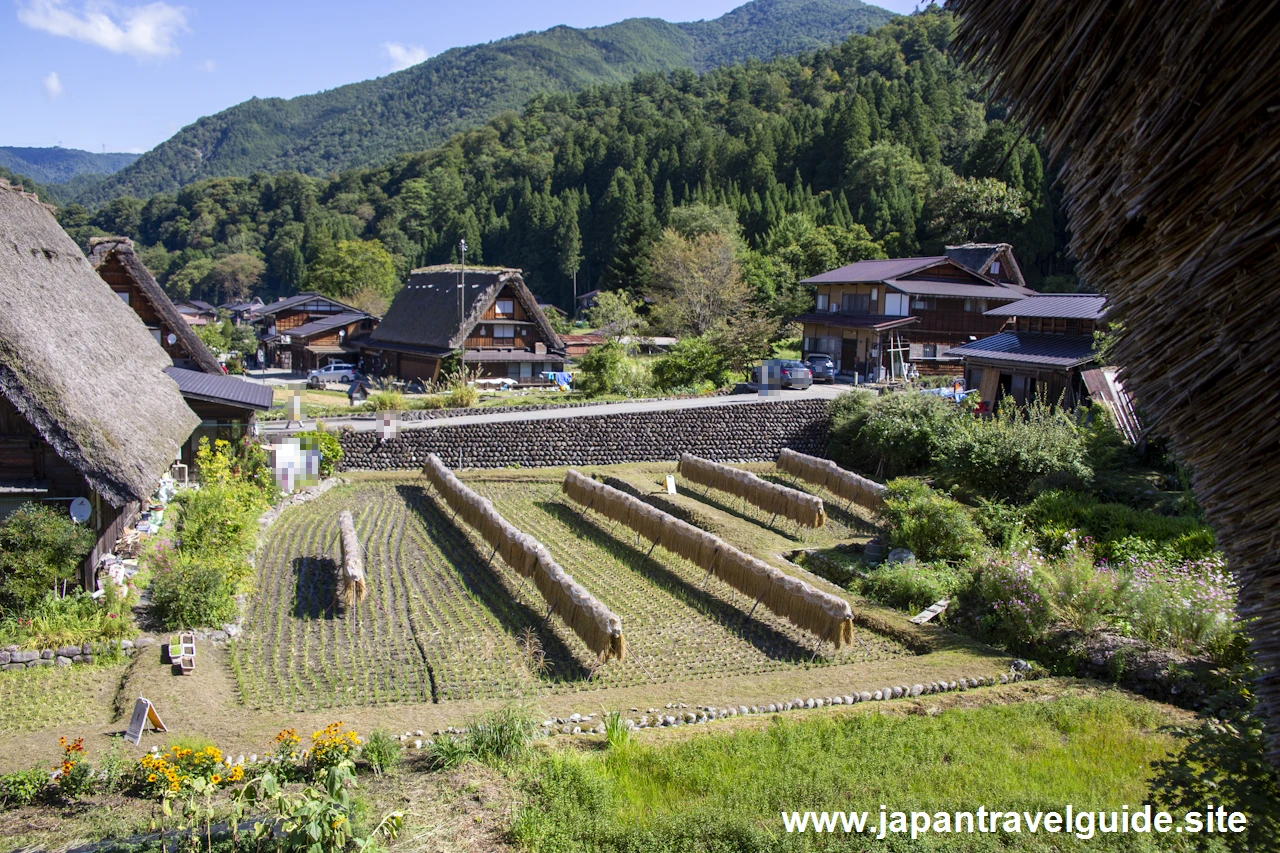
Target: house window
929	351
895	304
822	302
505	307
923	303
995	268
124	294
155	333
856	303
978	305
504	331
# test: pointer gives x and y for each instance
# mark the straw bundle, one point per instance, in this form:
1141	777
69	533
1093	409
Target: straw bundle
594	623
833	478
351	581
828	616
800	507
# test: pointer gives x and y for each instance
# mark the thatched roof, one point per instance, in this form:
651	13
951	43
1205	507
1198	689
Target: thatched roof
425	313
1164	120
981	257
75	361
102	250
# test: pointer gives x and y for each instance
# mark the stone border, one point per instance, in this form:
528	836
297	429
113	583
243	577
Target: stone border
13	658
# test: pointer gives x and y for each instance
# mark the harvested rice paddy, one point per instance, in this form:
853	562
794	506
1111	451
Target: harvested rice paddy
444	622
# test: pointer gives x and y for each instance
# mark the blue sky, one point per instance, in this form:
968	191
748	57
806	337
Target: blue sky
118	76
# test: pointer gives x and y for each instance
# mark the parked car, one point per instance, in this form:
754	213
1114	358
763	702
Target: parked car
336	372
822	367
792	374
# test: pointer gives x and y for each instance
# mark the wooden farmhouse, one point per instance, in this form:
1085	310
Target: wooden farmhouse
87	410
870	313
226	405
122	269
1046	344
490	316
309	330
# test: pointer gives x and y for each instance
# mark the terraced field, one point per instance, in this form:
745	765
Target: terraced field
443	623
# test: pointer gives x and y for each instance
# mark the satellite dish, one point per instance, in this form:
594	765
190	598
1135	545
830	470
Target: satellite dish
172	339
80	510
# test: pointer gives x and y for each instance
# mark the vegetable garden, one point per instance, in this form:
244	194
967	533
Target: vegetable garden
444	621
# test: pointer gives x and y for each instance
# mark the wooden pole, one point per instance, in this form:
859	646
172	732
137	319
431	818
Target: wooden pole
821	640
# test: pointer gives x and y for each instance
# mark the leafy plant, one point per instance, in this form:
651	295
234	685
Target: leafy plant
386	401
893	435
321	817
1012	455
328	445
602	369
21	787
381	750
1006	601
690	362
931	524
191	589
40	551
912	586
74	776
331	746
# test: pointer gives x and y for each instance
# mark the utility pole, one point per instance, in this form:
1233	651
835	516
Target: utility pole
575	294
462	280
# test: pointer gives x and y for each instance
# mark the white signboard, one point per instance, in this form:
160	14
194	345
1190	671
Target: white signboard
143	714
671	484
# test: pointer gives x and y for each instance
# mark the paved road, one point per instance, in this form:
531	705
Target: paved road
370	422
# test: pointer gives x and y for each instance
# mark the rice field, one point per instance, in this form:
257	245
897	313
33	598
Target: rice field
443	621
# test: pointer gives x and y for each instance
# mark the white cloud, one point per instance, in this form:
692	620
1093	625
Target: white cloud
140	31
403	55
208	66
53	85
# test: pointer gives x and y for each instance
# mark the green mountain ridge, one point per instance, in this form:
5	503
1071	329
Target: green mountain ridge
60	165
366	123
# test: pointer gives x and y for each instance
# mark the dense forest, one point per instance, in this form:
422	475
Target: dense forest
884	132
370	122
59	165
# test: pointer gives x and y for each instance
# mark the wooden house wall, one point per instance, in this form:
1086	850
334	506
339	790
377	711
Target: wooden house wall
118	278
1054	325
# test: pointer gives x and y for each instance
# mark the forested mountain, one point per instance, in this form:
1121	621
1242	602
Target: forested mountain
368	123
885	133
59	165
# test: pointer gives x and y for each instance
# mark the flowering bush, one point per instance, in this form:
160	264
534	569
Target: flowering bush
1188	605
166	772
1006	598
1082	595
331	746
74	776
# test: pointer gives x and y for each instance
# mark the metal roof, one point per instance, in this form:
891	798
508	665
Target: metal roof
856	321
954	288
874	271
325	324
1030	348
230	390
1073	306
290	302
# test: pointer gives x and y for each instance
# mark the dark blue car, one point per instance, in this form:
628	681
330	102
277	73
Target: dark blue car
822	367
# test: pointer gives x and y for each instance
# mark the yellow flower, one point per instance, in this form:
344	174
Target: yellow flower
215	778
151	777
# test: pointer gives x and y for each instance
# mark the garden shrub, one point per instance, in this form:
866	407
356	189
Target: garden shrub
328	445
219	518
40	551
461	396
690	362
929	523
602	368
1018	452
1002	524
190	589
71	620
1006	601
1185	605
912	586
1119	531
1083	596
892	435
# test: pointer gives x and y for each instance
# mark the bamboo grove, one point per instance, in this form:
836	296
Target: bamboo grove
800	507
589	618
833	478
827	616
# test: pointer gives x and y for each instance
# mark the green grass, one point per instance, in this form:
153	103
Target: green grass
726	792
31	700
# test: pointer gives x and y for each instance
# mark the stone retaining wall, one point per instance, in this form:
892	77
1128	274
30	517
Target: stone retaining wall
746	432
11	657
